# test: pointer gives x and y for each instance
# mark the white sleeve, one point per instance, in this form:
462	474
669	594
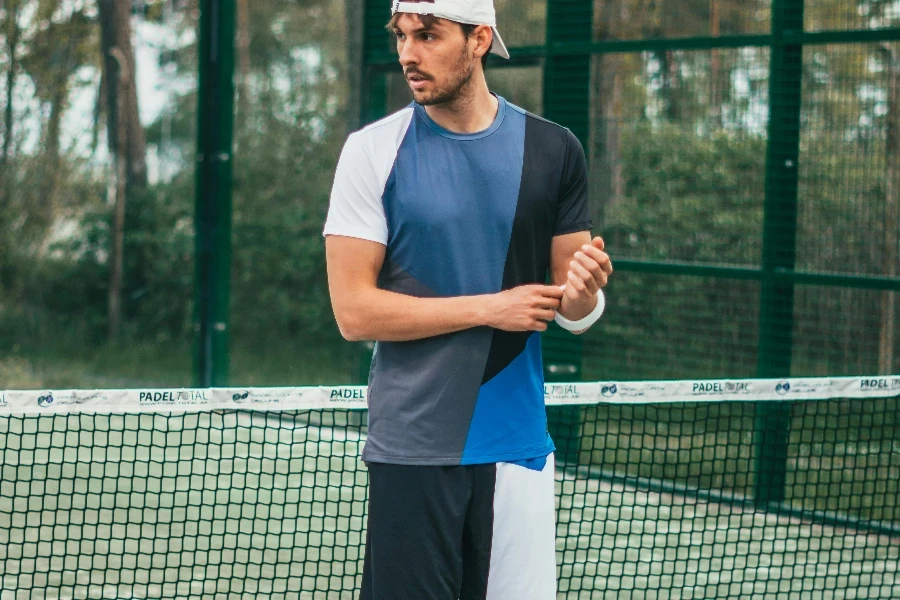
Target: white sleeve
356	208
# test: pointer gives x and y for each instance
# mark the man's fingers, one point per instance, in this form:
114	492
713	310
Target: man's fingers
587	262
549	291
598	243
576	283
586	277
600	257
546	315
550	303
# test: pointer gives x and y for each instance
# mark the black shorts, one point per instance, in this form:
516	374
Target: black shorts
480	532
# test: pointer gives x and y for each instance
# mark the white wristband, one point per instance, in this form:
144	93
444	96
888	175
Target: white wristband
582	325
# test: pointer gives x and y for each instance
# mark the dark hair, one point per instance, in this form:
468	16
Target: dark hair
430	21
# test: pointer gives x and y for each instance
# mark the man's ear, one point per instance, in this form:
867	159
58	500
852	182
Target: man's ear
483	37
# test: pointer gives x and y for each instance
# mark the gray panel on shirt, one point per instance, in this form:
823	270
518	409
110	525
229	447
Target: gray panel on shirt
427	383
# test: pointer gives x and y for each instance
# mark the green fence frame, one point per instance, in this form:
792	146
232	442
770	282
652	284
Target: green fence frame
566	56
213	180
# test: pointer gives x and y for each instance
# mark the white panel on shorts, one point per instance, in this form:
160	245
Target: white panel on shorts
523	551
356	208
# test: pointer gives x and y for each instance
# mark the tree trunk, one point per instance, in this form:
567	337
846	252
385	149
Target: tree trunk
243	51
12	46
715	68
51	152
670	84
889	253
115	34
125	137
606	102
118	241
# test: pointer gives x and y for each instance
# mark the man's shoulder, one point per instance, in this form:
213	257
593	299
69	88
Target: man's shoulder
385	126
545	130
374	142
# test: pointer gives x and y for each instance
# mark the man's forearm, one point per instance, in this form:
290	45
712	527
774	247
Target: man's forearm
380	315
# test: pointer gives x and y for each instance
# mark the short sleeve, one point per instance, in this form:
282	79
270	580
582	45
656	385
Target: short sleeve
356	209
573	213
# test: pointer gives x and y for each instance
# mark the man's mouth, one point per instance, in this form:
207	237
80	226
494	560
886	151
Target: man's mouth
416	80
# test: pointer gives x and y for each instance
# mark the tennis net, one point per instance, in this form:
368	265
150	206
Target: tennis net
681	489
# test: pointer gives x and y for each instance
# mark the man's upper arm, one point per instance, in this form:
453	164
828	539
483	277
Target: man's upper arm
573	215
573	212
356	208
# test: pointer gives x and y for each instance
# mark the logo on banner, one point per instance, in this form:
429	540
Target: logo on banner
561	391
707	388
608	391
261	397
2	400
347	395
172	397
640	390
45	401
882	384
783	388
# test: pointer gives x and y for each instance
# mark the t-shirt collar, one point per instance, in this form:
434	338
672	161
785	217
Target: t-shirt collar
498	120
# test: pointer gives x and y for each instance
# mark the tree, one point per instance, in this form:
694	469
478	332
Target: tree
13	37
55	52
125	134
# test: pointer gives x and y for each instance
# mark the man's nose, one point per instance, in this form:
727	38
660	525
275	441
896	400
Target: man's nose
409	54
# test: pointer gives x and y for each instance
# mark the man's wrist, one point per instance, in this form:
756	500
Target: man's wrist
578	326
573	310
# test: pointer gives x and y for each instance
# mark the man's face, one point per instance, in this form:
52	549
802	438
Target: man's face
437	60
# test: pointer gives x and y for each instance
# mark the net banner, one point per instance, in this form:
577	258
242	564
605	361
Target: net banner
355	397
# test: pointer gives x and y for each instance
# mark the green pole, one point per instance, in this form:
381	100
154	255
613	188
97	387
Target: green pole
215	116
376	42
567	101
776	318
373	106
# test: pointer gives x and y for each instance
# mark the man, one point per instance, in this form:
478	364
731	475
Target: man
444	222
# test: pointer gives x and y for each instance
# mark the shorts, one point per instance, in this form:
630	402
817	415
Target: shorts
474	532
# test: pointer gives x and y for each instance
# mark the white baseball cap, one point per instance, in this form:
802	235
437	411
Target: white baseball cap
470	12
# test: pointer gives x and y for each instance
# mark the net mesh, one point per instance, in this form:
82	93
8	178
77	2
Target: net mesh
655	501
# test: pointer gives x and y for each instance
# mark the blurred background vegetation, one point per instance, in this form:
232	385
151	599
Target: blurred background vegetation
677	151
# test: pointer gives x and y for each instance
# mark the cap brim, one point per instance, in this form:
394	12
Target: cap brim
498	47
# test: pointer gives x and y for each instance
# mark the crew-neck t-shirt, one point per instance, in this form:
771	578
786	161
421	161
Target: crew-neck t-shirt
460	215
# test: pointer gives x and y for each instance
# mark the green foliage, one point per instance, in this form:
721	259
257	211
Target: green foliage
681	149
689	197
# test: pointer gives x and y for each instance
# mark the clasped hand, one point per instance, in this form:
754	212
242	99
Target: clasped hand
532	307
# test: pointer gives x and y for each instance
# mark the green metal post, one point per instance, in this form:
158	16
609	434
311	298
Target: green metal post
376	14
375	44
567	101
779	244
215	116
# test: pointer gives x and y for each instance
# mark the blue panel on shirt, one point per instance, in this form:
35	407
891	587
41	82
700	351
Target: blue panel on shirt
504	411
450	203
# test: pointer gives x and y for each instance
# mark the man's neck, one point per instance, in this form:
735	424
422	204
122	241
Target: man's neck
473	111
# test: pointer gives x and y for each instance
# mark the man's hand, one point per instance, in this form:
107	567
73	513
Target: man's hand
524	308
589	271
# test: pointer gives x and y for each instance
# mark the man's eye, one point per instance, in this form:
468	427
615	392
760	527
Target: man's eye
427	37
